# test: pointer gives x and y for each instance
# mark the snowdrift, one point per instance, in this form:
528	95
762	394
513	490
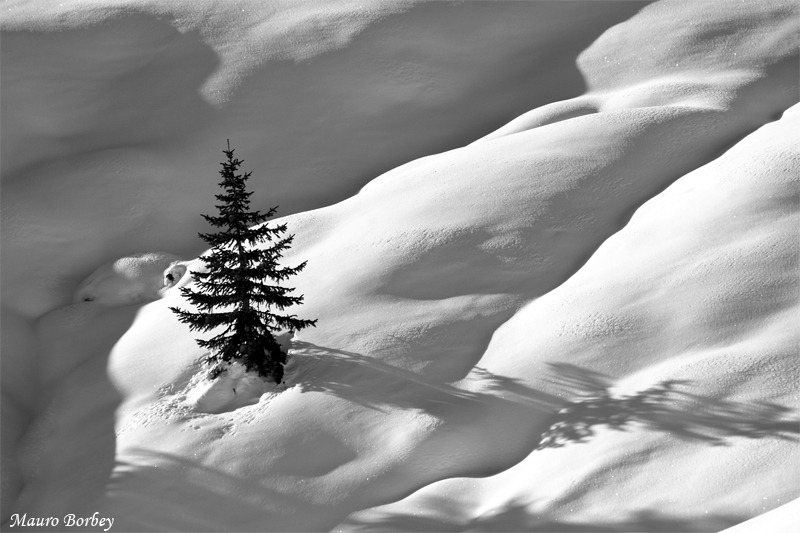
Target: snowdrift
583	320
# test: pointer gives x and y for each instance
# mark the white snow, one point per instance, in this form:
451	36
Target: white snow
132	280
233	389
583	319
780	520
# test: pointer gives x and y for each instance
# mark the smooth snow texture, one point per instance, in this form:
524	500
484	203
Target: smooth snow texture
584	319
114	113
132	280
669	297
780	520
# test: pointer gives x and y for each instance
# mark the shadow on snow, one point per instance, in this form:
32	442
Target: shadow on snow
667	406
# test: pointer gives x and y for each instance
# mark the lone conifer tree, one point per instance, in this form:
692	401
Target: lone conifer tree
240	287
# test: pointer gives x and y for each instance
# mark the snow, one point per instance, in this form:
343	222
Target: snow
780	520
582	319
132	280
644	309
131	102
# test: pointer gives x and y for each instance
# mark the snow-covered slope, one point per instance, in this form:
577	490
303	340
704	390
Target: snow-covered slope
117	111
113	115
583	320
692	307
780	520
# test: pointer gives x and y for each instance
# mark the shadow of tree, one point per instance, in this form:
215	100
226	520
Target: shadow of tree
376	384
667	406
258	505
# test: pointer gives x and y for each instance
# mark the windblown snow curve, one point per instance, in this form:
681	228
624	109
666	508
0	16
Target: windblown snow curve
594	303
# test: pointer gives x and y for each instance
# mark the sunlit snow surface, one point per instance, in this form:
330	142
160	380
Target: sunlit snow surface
582	320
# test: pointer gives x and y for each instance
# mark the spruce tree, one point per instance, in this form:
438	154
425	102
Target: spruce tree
240	287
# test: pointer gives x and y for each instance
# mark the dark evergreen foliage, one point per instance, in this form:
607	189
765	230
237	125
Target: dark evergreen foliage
240	289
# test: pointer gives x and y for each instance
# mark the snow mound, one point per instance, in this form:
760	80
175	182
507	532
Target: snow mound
133	279
586	320
115	112
675	350
232	389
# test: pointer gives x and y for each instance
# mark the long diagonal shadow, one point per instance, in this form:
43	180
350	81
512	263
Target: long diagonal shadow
667	406
374	383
